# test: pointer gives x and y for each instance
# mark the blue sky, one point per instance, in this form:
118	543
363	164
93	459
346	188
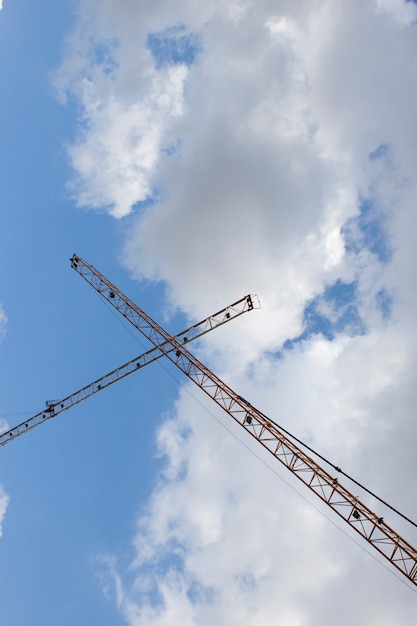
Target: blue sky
54	322
194	156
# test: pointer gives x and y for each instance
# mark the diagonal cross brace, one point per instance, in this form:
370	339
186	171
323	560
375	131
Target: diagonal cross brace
52	409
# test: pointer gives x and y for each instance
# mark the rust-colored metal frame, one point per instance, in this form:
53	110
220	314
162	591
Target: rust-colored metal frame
401	554
53	408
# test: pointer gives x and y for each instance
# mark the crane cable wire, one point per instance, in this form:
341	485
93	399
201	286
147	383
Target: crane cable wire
270	468
302	443
282	479
340	471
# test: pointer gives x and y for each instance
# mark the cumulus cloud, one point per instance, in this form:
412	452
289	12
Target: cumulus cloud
276	155
224	540
127	106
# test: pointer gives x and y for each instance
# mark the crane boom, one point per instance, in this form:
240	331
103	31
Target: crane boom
193	332
401	554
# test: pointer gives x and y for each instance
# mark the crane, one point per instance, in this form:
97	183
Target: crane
53	408
371	526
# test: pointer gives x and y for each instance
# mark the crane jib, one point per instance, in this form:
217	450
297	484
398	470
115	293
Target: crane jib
371	526
53	408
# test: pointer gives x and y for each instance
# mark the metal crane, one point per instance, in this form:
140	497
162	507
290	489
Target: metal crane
53	408
371	526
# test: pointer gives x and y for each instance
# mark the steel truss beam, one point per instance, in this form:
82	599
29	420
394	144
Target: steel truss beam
53	408
401	554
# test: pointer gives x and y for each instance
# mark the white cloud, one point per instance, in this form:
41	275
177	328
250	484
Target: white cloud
4	501
117	156
273	129
224	541
127	107
3	322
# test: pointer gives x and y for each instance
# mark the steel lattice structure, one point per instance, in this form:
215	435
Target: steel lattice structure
53	408
401	554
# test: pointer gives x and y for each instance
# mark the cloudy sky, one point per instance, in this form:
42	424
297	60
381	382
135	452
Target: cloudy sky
194	153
